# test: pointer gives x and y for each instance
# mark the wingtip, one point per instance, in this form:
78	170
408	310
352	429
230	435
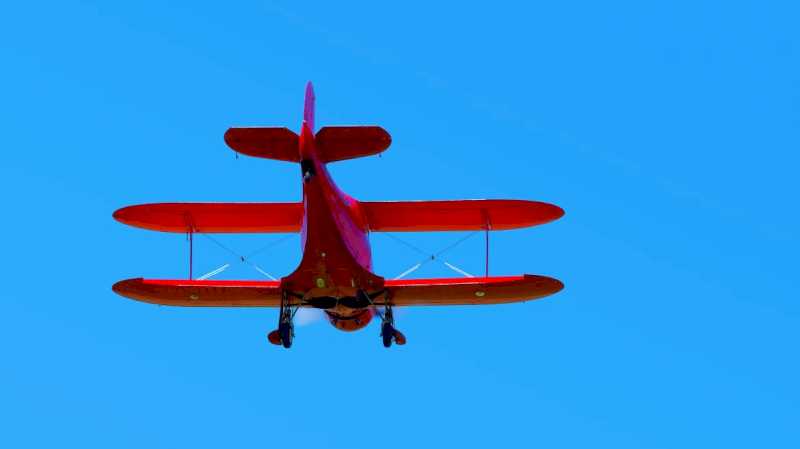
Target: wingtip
126	215
126	286
559	211
550	284
119	214
550	212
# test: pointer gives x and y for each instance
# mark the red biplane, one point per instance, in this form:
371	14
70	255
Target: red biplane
335	273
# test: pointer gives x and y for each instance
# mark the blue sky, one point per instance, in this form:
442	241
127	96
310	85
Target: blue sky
668	131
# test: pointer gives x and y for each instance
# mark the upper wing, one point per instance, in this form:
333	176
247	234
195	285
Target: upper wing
470	291
457	215
193	293
214	217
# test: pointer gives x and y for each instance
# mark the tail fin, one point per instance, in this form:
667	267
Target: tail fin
308	109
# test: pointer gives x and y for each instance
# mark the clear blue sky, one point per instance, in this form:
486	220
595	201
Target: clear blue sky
668	131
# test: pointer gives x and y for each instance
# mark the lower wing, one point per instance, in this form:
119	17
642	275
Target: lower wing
192	293
470	291
411	292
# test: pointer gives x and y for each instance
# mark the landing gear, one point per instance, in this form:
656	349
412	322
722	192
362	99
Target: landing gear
388	332
285	332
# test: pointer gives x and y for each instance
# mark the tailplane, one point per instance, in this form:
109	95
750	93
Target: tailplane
333	143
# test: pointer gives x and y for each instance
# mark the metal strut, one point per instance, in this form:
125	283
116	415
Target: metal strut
388	315
285	325
432	257
190	235
487	228
486	273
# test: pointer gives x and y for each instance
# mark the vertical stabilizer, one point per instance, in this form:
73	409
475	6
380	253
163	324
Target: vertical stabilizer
308	110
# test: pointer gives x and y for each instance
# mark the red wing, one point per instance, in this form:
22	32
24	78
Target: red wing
214	217
470	291
457	215
191	293
413	292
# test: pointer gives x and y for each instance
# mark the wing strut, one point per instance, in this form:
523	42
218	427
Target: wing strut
187	218
487	229
486	274
190	236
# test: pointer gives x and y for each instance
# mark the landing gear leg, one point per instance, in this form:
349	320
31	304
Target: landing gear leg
388	332
285	332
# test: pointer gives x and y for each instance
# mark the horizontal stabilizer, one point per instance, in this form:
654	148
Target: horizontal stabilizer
270	143
192	293
457	215
214	217
334	143
470	291
338	143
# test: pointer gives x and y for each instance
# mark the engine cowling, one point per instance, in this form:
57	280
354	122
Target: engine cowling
349	323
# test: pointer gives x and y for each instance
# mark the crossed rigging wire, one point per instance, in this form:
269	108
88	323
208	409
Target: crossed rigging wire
428	257
432	257
435	256
241	258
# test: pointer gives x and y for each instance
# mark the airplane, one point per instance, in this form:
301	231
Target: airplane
335	273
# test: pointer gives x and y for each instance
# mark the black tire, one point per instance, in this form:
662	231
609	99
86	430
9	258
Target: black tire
285	330
387	333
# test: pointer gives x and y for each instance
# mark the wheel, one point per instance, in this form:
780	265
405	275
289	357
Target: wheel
387	333
285	331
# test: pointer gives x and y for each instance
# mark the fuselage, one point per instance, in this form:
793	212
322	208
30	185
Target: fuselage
337	259
335	273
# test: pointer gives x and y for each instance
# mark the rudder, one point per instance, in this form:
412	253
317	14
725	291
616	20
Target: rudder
309	106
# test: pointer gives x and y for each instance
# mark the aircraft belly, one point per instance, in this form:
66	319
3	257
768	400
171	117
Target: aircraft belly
336	253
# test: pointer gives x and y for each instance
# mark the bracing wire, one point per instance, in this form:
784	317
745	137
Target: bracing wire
432	257
241	258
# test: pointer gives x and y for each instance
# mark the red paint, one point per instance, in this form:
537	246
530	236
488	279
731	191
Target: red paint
337	258
380	216
403	292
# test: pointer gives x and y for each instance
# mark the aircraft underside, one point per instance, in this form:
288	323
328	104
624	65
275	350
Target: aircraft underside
335	273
